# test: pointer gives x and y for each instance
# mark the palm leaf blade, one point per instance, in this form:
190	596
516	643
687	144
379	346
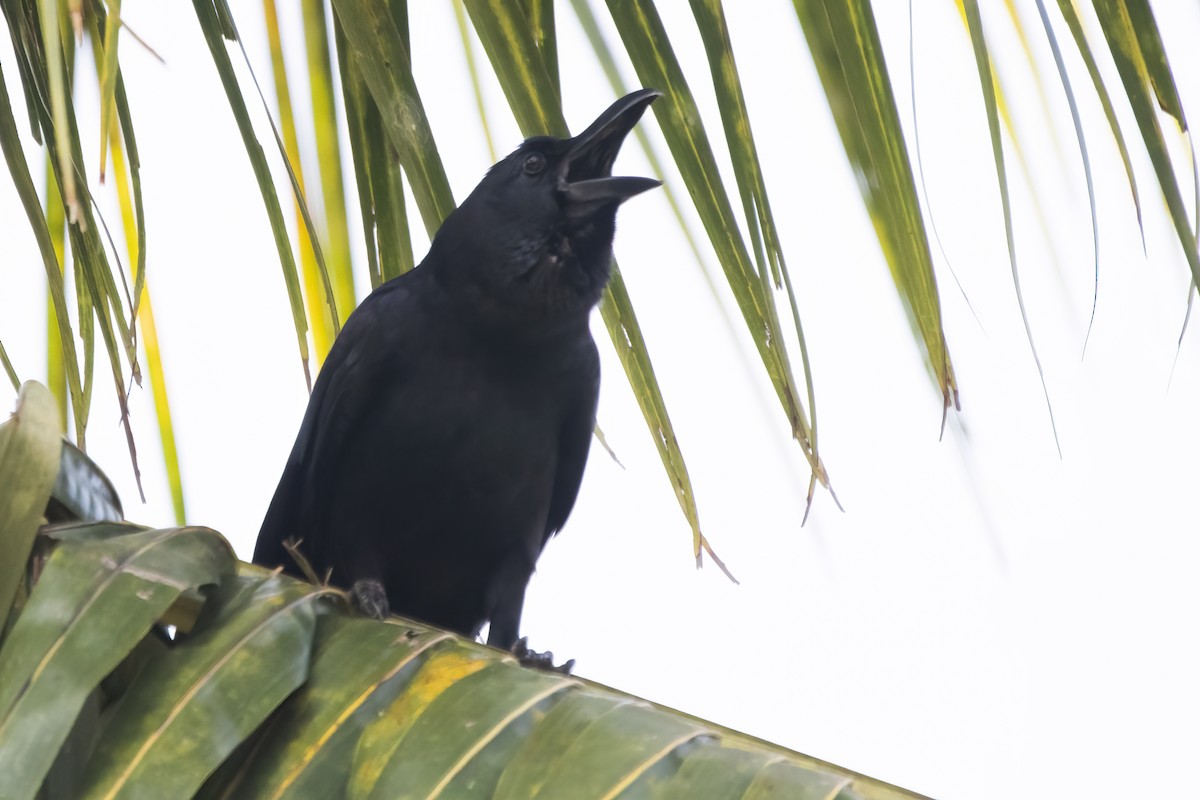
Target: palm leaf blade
1134	67
29	448
210	23
336	245
1067	8
226	679
379	53
844	42
437	755
18	169
358	668
89	685
536	104
615	750
94	603
991	104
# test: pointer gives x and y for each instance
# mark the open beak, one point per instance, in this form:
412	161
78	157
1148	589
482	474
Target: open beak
586	179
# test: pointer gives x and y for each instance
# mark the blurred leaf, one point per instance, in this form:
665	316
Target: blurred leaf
132	184
1083	155
8	368
1187	316
56	369
211	24
25	35
987	83
118	331
336	244
58	98
354	98
1155	58
162	407
93	269
1016	141
108	78
318	309
129	199
29	448
91	256
224	21
1067	8
89	251
313	235
468	44
1126	43
93	604
18	170
81	532
540	16
1048	128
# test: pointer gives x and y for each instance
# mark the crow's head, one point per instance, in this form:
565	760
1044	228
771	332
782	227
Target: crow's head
534	240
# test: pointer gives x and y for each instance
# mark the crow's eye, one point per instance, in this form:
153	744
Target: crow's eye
534	163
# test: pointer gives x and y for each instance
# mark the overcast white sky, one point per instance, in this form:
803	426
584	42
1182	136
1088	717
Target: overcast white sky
985	620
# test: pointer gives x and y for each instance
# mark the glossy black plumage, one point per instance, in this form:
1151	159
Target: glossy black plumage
446	436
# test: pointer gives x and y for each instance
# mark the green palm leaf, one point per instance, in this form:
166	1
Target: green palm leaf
844	44
532	94
93	605
235	669
29	454
269	688
391	139
1141	63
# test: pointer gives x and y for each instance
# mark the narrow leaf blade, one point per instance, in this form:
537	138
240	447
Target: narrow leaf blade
29	455
844	43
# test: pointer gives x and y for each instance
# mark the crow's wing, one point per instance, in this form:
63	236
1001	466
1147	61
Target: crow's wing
574	441
364	358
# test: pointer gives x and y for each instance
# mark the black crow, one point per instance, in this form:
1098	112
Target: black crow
446	436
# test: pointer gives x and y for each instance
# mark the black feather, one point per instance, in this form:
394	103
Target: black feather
446	436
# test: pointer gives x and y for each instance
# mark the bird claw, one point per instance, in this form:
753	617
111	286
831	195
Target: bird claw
369	597
543	661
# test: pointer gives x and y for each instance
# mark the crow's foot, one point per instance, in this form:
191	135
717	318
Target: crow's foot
369	597
543	661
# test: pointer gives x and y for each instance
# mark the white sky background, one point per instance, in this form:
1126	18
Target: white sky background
984	621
